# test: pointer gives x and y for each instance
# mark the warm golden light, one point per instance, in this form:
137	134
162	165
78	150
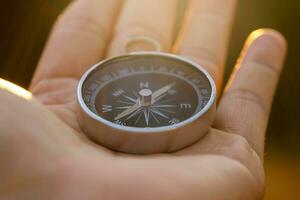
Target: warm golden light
12	88
257	33
254	35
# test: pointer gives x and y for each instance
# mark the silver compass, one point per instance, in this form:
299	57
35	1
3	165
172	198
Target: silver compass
146	102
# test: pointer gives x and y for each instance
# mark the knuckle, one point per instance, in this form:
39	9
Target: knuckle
240	146
139	30
270	70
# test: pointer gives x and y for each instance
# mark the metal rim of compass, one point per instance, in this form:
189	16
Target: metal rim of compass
88	113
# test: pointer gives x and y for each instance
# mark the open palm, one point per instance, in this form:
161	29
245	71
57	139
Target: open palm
45	155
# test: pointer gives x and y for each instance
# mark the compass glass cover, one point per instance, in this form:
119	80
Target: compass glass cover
146	91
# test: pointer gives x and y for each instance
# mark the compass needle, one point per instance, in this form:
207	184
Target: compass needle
128	111
160	97
161	91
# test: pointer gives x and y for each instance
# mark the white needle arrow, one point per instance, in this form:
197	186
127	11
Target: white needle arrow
128	111
161	91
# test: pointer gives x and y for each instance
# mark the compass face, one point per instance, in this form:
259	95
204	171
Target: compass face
146	91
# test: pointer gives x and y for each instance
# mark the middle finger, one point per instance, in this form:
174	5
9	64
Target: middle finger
143	26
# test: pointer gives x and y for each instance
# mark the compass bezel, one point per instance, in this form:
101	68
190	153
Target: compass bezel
141	130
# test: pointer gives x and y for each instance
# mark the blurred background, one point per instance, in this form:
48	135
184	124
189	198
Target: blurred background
25	26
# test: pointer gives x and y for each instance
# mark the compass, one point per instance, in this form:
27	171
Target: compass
146	102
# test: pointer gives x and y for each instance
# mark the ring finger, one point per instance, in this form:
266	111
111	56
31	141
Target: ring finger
206	37
144	26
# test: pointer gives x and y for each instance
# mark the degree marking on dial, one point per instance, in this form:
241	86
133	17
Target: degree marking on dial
180	73
162	69
93	86
174	121
97	82
114	74
123	71
106	78
87	98
195	81
119	122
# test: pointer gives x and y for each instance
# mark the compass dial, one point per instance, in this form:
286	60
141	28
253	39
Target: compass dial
146	91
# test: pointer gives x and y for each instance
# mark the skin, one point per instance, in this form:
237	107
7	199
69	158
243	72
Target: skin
45	155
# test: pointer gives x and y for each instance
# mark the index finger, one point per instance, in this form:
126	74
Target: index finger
78	40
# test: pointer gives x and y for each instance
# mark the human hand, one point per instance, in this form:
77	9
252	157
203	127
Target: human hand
47	156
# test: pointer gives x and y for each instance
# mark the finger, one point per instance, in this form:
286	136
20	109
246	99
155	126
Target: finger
206	34
144	26
78	40
245	106
29	134
30	112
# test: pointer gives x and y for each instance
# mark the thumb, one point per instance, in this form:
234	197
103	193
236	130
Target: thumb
30	135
